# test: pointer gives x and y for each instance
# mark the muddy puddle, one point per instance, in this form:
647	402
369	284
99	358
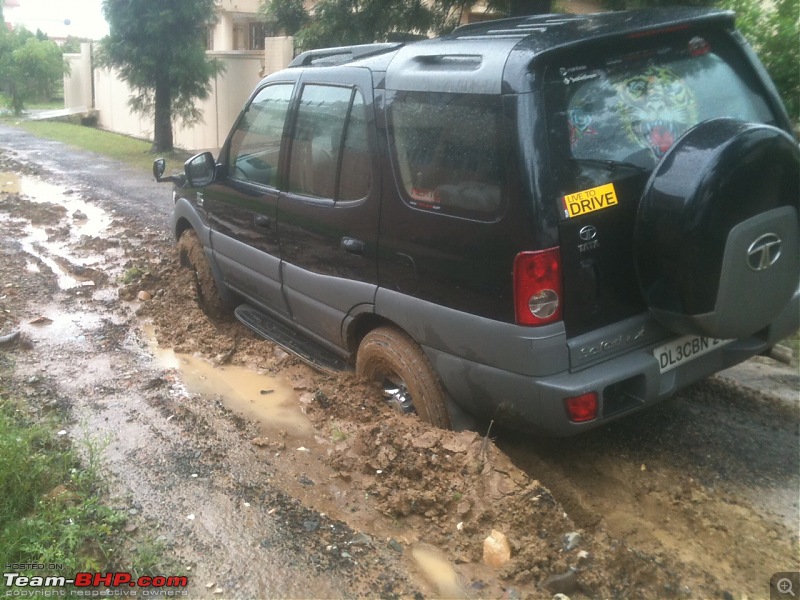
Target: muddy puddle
51	244
268	401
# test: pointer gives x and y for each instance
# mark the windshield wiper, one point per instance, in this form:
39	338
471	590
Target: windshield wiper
610	164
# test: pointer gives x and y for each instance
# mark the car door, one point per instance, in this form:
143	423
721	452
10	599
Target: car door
242	202
328	217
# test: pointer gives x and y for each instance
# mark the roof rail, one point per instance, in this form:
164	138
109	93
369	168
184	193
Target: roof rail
325	57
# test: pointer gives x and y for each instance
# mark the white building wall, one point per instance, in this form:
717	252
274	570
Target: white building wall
78	85
229	91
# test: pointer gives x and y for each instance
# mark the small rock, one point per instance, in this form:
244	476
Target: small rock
360	539
496	549
210	585
133	512
560	597
460	526
280	355
7	340
79	216
144	296
427	440
130	528
726	595
310	525
395	545
583	555
571	541
190	517
564	583
261	442
305	480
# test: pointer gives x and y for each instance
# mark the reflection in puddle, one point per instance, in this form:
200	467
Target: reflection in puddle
270	401
438	571
85	219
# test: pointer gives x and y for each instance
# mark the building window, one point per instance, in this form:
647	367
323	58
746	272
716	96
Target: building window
209	38
257	35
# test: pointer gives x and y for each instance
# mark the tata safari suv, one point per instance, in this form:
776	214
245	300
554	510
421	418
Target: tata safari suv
549	221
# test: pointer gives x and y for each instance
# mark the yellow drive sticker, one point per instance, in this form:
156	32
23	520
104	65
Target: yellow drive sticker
590	200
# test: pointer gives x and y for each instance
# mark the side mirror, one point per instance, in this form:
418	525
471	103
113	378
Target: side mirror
200	169
159	166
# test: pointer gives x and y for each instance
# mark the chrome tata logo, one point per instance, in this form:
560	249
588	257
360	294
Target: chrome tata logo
764	252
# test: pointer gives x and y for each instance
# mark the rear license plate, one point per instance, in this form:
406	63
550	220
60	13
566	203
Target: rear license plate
685	349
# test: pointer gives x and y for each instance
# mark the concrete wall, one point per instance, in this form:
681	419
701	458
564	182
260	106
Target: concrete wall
78	85
229	91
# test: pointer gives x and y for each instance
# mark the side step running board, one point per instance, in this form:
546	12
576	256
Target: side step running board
290	340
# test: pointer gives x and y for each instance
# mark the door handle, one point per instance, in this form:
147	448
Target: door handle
352	246
262	222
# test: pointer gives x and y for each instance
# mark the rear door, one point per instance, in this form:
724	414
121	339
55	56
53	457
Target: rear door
328	217
613	112
242	203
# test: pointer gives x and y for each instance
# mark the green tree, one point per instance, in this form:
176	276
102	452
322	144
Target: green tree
772	29
158	48
343	22
30	67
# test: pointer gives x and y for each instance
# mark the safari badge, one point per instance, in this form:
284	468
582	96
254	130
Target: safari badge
591	200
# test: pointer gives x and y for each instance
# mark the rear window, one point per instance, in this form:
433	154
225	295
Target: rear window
633	107
450	153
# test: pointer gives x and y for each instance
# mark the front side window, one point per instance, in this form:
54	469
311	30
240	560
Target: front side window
330	155
256	142
633	107
449	152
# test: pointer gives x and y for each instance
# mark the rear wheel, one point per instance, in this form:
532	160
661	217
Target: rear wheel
193	257
391	358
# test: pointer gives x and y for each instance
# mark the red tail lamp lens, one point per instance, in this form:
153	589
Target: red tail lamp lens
583	408
537	287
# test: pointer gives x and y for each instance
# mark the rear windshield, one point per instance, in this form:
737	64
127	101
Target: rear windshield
632	107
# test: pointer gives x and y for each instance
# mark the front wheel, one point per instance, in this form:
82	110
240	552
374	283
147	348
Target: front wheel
193	257
393	359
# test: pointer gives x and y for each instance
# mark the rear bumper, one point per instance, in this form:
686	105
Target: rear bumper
624	384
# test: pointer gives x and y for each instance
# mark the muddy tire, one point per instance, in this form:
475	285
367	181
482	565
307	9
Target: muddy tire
386	355
193	257
716	239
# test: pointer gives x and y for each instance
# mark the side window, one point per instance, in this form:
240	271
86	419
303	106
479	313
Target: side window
450	153
329	156
256	143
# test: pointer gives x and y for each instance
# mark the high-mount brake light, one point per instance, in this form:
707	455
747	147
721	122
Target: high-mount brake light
537	287
662	30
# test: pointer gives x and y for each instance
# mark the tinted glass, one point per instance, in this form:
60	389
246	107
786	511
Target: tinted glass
330	138
449	152
634	107
256	142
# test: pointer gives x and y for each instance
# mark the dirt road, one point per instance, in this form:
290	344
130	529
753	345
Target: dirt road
262	478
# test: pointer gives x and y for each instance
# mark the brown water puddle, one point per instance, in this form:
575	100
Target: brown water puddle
269	401
84	219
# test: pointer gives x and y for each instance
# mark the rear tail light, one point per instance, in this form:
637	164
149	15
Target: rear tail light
583	408
537	287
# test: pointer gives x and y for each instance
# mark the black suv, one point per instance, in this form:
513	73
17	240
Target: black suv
547	221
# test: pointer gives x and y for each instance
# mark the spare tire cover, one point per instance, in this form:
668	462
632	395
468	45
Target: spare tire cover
716	234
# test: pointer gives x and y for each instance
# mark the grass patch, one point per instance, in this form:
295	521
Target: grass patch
51	508
135	273
133	152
